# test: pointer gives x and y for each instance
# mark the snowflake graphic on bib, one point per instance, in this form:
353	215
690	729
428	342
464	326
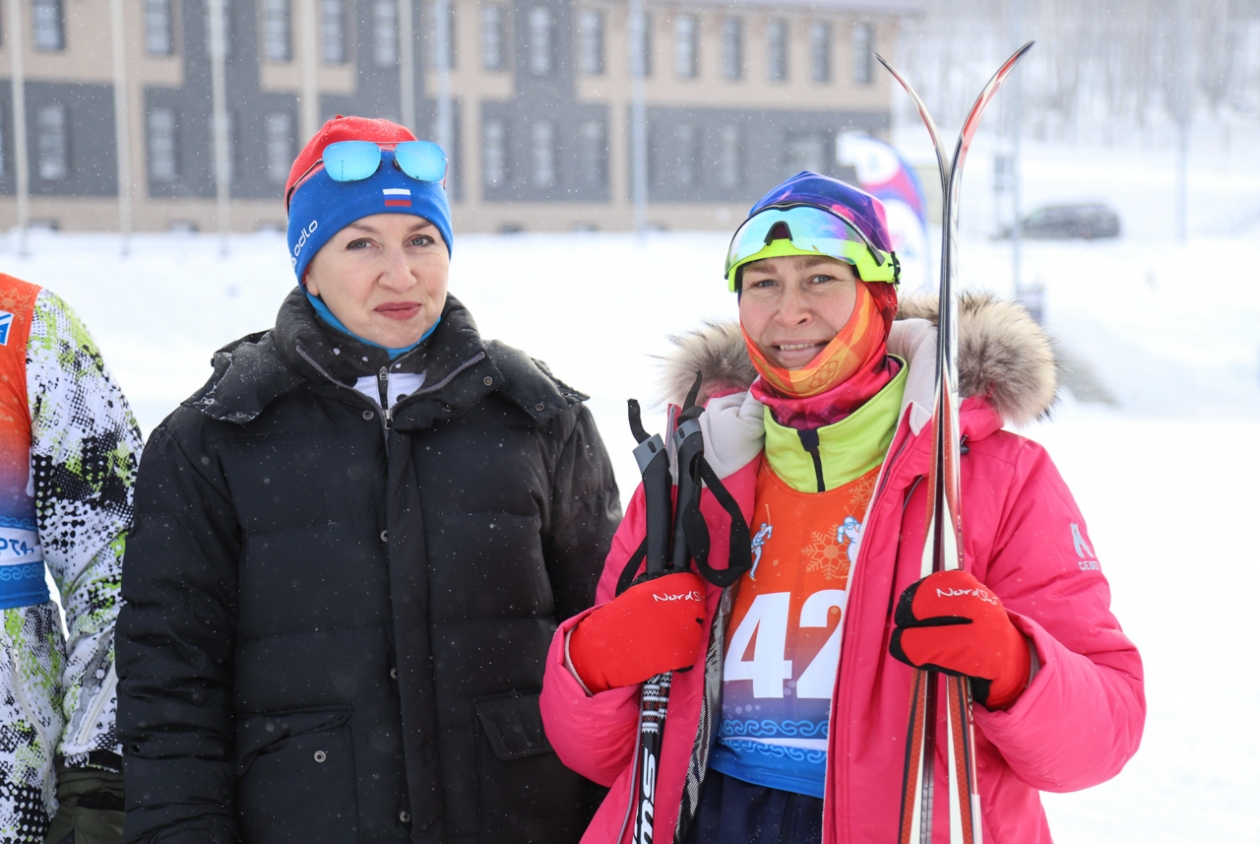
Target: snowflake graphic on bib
825	554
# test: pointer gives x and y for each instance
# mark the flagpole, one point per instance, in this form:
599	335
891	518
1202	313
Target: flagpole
122	128
21	159
218	95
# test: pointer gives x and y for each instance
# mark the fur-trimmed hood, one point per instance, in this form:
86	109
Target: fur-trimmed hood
1003	354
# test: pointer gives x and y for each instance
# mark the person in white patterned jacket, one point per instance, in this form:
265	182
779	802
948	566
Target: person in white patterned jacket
69	448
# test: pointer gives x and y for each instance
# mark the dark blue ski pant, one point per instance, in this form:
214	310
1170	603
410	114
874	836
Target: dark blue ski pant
735	812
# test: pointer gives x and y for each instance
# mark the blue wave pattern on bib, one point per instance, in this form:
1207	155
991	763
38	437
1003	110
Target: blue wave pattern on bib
22	581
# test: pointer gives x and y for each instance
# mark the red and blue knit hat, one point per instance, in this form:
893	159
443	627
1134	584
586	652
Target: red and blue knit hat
319	207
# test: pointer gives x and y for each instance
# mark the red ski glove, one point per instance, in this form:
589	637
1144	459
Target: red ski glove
951	622
652	627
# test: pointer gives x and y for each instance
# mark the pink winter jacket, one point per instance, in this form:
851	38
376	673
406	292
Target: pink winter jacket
1076	725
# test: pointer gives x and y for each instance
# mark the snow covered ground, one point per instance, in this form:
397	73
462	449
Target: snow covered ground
1165	475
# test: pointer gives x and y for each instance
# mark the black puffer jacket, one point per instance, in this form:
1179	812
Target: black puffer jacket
334	631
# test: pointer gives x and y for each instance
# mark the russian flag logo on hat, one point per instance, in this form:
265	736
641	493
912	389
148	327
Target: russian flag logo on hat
397	197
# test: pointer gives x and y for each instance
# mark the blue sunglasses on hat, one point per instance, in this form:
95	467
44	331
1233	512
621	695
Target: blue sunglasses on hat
354	161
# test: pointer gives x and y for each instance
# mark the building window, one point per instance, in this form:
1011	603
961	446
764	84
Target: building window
543	154
733	48
385	32
688	142
494	153
805	152
447	33
279	146
863	53
226	6
820	51
163	164
541	30
776	50
332	30
493	54
591	41
641	52
594	154
730	173
52	142
277	43
159	37
686	48
50	31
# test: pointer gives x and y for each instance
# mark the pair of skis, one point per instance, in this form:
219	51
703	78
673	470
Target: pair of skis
943	548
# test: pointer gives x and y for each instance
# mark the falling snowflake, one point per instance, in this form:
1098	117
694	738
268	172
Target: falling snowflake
825	554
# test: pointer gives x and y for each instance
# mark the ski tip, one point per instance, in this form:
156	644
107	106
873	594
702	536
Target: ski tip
1019	54
888	66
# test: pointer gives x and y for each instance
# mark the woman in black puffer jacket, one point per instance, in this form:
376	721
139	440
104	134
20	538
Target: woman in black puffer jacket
353	545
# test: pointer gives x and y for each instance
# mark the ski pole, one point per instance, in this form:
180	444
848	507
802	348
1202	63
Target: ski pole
653	463
676	537
689	444
654	703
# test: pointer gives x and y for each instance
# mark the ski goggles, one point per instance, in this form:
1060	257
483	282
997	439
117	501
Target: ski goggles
810	229
354	161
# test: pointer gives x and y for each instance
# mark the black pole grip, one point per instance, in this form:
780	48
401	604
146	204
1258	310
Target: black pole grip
656	492
690	443
653	463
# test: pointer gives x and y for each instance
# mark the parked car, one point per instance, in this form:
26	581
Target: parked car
1062	222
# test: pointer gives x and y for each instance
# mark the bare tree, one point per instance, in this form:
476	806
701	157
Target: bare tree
1215	50
1245	89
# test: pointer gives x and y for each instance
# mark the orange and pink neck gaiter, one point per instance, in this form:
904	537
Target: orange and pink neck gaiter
846	374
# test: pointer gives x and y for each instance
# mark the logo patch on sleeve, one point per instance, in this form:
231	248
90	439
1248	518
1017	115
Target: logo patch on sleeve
6	321
1087	561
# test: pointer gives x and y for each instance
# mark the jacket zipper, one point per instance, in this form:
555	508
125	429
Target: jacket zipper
382	384
19	692
811	443
353	391
472	361
387	416
103	694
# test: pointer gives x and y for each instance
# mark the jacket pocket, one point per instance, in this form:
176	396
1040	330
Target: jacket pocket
295	777
526	794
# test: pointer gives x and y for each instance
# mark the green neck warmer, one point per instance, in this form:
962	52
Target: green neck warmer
834	455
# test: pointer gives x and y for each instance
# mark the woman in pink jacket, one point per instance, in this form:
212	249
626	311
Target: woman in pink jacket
790	725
